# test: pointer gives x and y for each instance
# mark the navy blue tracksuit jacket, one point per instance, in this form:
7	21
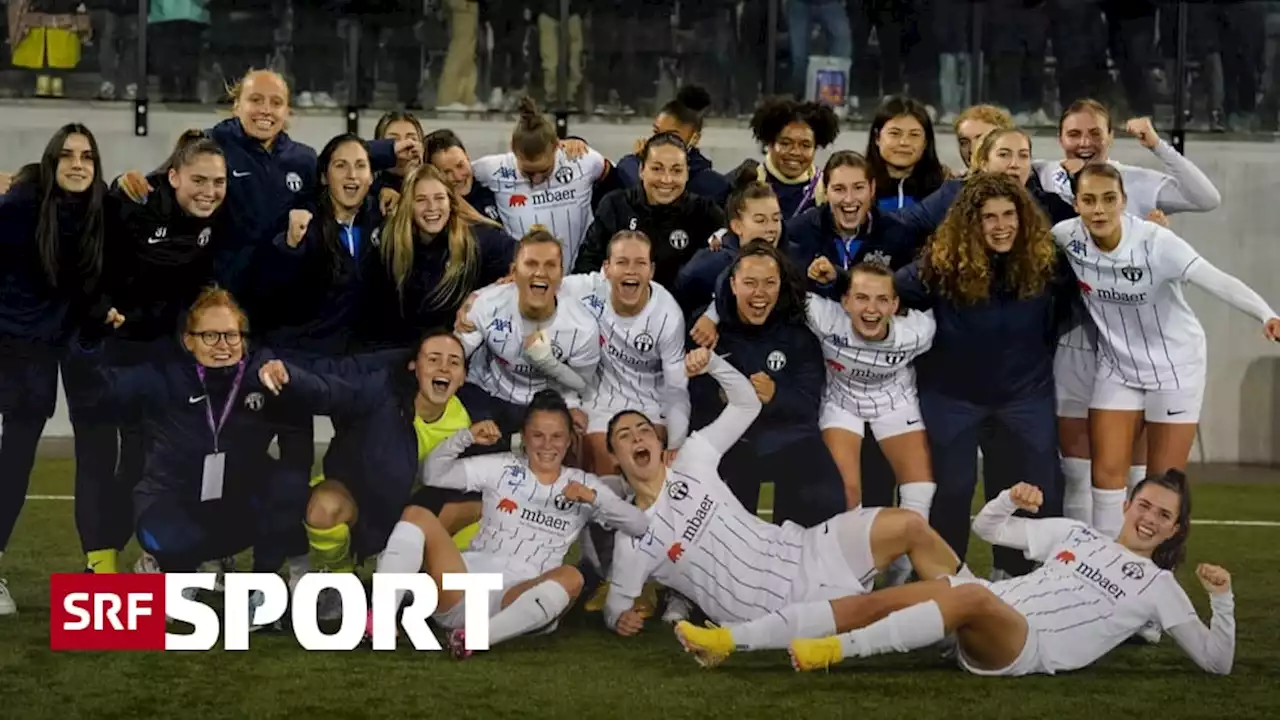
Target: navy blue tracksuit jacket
991	363
784	444
882	238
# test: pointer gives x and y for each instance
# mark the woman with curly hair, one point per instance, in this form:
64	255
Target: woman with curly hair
791	133
998	288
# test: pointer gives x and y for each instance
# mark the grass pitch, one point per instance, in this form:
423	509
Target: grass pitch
583	671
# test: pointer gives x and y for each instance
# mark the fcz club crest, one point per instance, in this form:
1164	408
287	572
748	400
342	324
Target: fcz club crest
1131	273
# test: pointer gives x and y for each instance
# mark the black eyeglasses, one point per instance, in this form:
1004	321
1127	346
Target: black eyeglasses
210	338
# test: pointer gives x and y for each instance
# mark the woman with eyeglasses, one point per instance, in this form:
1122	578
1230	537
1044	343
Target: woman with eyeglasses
678	222
50	264
207	484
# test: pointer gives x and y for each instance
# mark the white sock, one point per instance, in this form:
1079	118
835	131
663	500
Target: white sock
538	606
909	629
403	553
917	496
776	630
1077	501
1137	473
1108	511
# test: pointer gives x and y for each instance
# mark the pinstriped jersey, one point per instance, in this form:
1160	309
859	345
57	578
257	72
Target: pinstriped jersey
704	544
1148	336
503	370
561	203
869	378
640	356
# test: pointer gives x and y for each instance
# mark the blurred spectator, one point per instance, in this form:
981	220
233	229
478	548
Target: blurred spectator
45	36
509	22
1016	34
458	77
250	34
1079	49
175	30
117	39
1204	46
752	58
1131	32
393	25
1243	25
802	16
707	28
953	28
905	32
616	76
549	48
317	52
1271	84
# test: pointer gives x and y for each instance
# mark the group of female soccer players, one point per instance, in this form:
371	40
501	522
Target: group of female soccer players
539	339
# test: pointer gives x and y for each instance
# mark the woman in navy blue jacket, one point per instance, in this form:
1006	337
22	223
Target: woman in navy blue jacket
682	116
791	133
207	490
158	256
270	173
1000	292
903	154
313	283
434	251
846	228
763	333
51	225
754	214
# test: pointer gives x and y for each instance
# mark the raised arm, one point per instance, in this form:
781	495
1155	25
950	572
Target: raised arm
743	405
1186	188
443	468
1036	537
1229	289
1213	648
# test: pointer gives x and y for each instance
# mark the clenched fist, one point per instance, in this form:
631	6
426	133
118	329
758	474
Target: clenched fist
1215	580
696	361
299	221
485	432
822	271
1027	497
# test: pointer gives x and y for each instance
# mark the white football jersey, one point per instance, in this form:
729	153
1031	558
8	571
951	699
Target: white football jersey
869	378
705	545
1090	595
561	203
1148	336
1141	185
503	370
522	519
642	356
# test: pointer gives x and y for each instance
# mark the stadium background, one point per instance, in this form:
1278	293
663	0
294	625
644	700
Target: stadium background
584	669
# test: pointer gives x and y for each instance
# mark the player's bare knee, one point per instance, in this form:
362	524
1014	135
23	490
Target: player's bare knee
420	516
914	528
569	578
327	508
973	599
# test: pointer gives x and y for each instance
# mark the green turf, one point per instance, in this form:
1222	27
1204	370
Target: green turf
583	671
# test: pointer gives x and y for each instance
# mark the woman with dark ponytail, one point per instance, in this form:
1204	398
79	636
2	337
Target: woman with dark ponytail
51	227
682	116
678	222
1089	595
158	256
791	133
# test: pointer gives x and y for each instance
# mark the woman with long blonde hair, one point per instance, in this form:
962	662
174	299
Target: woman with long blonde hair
998	288
436	250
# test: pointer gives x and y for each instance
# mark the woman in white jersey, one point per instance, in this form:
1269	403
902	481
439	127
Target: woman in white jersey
1090	595
531	340
537	183
870	381
535	508
1151	347
1086	137
774	580
642	346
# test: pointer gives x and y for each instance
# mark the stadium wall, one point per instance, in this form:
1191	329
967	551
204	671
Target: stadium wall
1241	415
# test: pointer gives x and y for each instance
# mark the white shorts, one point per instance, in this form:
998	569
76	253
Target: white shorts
1028	662
513	573
598	418
1074	370
828	570
897	422
1175	407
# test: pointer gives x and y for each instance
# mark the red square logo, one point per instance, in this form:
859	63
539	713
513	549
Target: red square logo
106	612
